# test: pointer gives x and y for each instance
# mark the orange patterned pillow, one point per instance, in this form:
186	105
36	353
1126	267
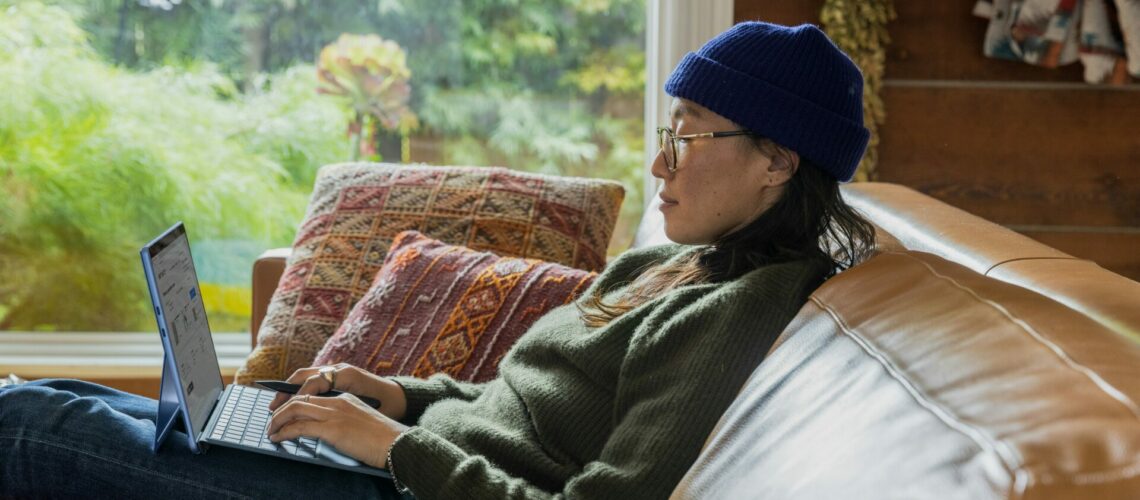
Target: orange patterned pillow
357	209
435	307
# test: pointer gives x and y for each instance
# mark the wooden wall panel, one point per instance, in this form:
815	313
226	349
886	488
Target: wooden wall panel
1038	156
774	11
929	40
1032	148
1115	251
942	40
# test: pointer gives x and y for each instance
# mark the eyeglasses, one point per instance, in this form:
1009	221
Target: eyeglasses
667	141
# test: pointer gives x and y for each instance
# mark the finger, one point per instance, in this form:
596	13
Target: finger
281	397
313	385
308	386
301	374
296	429
297	409
278	400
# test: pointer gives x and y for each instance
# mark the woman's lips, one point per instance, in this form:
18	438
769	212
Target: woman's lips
667	202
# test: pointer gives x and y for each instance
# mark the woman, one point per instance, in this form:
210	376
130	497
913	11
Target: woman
612	397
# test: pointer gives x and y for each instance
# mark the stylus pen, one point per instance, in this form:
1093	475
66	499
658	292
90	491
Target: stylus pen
286	387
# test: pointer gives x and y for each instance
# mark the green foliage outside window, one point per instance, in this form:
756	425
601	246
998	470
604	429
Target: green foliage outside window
121	117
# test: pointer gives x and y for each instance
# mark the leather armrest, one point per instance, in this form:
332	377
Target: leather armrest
920	222
267	271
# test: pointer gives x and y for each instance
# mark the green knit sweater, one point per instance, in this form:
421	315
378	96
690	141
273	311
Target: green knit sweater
619	411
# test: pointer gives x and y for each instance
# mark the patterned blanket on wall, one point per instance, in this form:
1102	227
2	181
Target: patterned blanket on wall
1104	35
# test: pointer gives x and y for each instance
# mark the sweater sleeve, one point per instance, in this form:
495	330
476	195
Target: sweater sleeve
421	393
686	362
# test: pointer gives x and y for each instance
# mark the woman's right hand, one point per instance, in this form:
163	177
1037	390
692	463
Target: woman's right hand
349	379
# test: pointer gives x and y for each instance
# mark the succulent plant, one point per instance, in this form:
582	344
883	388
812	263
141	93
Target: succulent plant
372	75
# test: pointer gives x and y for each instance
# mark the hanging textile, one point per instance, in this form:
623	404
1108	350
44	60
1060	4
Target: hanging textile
1104	35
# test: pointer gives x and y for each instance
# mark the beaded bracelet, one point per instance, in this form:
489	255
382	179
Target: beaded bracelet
400	488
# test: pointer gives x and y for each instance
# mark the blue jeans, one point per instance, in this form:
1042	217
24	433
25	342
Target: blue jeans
75	439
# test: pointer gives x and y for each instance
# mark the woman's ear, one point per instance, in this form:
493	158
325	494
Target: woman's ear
783	166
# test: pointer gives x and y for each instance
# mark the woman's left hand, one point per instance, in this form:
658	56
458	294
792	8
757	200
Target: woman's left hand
345	422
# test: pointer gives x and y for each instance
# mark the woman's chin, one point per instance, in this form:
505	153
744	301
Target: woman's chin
677	235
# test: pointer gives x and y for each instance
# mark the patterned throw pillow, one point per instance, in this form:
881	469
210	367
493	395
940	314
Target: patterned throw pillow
357	209
436	307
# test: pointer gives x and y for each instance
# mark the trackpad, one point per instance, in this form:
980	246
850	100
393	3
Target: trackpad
330	453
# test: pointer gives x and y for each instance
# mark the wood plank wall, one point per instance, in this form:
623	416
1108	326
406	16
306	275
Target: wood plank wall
1034	149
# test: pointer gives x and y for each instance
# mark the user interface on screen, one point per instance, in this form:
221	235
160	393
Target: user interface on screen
186	327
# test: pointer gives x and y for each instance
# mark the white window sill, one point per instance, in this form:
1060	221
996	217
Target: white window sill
101	355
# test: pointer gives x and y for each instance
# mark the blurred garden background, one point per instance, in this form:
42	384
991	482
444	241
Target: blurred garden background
120	117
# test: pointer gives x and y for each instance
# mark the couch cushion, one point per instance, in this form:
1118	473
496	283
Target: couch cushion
1104	296
435	307
356	210
910	376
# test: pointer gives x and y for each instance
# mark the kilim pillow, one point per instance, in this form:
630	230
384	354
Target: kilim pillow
435	307
356	209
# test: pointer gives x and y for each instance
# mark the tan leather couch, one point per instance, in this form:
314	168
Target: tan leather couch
962	361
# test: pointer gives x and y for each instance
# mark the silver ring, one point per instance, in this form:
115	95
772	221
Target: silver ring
306	398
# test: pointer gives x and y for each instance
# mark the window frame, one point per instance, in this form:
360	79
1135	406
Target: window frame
673	29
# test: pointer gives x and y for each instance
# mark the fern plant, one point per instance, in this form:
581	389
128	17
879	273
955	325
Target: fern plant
95	160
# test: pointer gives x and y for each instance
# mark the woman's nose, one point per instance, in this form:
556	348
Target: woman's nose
658	168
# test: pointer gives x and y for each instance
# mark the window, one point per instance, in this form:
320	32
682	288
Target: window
120	117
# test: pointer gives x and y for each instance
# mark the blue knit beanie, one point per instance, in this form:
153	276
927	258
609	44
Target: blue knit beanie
789	84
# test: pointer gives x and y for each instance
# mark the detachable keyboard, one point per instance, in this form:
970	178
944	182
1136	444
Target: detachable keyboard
245	418
241	422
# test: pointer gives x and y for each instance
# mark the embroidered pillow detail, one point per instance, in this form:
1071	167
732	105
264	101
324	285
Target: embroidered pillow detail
357	209
435	307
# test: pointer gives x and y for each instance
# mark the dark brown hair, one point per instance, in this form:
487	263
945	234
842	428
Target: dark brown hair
810	221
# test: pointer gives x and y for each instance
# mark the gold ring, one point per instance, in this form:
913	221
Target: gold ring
329	374
306	399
